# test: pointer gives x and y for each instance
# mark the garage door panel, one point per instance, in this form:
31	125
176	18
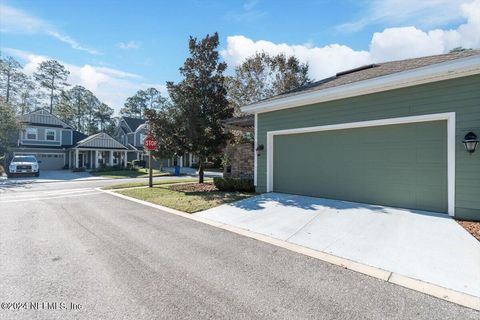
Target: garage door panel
397	165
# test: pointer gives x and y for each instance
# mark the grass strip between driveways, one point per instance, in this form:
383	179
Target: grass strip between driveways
189	202
136	173
155	183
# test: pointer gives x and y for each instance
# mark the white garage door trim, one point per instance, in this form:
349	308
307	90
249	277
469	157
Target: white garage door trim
448	116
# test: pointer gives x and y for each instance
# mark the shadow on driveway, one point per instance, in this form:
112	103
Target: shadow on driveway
427	246
312	203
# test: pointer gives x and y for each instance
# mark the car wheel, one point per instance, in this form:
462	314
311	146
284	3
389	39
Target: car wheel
37	174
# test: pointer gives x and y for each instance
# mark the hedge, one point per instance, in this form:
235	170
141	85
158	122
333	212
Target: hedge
234	184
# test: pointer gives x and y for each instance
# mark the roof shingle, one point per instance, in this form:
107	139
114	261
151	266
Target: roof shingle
133	123
375	71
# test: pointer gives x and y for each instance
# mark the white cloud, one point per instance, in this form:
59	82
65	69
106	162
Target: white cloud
390	44
407	42
323	61
13	20
128	45
248	14
422	13
110	85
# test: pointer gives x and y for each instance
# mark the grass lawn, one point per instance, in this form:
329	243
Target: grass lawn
187	201
155	183
133	173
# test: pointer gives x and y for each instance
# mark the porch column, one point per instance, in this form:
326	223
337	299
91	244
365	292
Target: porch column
181	161
110	159
96	159
190	159
126	158
76	158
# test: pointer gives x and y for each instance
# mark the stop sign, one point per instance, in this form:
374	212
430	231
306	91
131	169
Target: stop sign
150	143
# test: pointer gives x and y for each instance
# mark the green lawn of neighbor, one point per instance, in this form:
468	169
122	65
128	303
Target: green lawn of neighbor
128	173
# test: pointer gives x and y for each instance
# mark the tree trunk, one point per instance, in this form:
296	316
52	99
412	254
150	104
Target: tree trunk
51	96
200	171
8	87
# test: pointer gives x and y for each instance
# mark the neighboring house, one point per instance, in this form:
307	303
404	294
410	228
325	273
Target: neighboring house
57	145
388	134
131	132
96	151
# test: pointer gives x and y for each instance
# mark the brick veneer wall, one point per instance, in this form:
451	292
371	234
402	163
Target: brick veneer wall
241	160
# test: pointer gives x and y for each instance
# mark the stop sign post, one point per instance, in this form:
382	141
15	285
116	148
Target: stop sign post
150	144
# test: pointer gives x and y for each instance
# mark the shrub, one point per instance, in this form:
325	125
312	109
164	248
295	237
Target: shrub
234	184
112	168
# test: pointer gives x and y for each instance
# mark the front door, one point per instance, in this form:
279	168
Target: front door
80	160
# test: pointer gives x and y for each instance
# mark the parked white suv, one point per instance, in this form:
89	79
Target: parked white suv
24	165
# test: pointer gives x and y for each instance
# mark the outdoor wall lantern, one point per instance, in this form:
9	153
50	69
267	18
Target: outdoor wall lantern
259	149
470	142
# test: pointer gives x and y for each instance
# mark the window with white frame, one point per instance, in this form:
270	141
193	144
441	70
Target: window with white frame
50	134
31	133
142	138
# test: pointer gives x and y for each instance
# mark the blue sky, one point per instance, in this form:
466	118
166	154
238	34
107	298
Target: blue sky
117	47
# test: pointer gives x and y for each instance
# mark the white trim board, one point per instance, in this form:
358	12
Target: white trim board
433	73
449	117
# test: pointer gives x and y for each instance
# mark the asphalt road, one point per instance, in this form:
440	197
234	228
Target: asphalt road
27	185
115	259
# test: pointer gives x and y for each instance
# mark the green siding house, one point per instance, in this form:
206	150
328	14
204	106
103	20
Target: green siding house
388	134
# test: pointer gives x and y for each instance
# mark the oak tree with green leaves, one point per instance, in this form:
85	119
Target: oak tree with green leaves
136	105
263	76
162	125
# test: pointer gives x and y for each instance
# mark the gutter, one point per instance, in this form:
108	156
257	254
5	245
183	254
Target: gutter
438	72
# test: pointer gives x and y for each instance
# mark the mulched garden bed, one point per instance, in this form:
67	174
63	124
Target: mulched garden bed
194	187
471	226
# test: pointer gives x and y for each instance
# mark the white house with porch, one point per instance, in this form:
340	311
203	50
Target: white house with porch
98	150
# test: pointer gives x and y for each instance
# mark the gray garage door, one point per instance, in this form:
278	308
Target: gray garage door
396	165
51	161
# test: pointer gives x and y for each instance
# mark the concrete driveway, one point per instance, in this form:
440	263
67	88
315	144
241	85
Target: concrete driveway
426	246
52	176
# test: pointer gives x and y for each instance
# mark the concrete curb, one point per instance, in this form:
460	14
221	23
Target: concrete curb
450	295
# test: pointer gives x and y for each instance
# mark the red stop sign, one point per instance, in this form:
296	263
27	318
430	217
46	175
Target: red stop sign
150	143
